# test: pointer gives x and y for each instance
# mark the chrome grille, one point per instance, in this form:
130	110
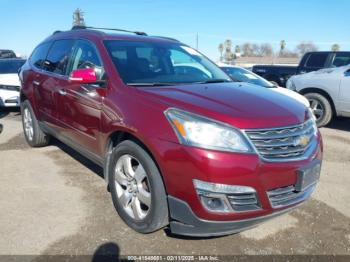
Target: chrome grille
243	202
285	196
284	143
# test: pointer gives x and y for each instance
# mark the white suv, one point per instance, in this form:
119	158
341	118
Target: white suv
328	91
9	81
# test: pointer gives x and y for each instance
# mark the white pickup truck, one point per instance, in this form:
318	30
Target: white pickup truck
328	91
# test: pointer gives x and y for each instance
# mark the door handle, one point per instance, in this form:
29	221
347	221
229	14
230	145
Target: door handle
36	83
62	92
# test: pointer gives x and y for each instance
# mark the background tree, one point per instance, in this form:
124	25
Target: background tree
237	49
256	50
247	49
282	46
78	17
305	47
221	50
335	47
228	50
265	49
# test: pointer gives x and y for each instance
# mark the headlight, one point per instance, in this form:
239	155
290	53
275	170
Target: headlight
10	88
290	85
311	115
198	131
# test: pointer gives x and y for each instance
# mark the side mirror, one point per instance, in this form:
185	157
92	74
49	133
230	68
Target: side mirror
83	76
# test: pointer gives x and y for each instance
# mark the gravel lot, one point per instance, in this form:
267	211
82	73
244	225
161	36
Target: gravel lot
54	201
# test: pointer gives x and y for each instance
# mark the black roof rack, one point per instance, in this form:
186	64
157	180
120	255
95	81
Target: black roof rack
165	37
78	27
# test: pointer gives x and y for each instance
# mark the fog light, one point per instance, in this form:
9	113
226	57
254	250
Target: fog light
214	202
214	196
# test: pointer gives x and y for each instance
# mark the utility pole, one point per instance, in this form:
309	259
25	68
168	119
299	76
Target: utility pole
197	41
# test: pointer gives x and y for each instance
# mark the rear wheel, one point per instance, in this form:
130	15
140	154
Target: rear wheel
35	137
321	108
137	188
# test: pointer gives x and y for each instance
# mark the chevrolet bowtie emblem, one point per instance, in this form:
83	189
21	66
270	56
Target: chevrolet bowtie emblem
302	141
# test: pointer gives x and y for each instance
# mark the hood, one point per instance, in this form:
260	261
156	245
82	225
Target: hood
239	104
293	95
9	79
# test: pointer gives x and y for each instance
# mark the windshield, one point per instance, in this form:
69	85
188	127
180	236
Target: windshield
142	63
10	67
242	75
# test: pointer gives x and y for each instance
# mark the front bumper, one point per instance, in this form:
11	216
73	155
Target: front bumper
185	222
9	98
180	165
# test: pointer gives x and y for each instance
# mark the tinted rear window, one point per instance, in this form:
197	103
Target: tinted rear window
341	59
39	54
58	57
317	60
10	67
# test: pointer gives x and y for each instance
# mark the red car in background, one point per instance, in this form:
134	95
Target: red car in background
180	146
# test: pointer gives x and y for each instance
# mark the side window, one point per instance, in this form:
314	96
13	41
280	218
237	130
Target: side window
85	56
341	59
317	60
58	57
39	54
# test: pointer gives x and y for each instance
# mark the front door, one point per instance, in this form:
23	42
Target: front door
344	94
81	104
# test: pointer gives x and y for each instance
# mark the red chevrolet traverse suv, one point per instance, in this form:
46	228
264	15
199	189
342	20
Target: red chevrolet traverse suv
180	143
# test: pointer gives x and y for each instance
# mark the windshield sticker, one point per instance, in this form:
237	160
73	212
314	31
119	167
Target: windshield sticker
250	76
190	50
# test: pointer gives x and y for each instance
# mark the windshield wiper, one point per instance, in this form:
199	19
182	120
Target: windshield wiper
151	84
210	81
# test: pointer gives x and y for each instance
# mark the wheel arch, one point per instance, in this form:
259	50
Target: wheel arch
119	136
22	97
321	92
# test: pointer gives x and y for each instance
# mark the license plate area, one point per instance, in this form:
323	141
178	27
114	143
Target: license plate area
308	176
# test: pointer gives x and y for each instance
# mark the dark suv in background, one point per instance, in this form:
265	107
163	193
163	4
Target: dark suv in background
180	143
5	53
311	61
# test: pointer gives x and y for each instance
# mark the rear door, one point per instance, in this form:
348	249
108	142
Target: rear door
344	95
80	105
35	79
52	79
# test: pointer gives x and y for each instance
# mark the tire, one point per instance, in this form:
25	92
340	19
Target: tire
142	216
321	107
35	137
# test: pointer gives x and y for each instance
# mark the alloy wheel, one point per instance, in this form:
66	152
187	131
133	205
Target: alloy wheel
133	187
28	124
316	108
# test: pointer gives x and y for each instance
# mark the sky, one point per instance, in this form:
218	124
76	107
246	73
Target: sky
26	23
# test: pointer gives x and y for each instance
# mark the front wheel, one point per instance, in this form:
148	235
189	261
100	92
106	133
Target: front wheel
321	108
137	188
